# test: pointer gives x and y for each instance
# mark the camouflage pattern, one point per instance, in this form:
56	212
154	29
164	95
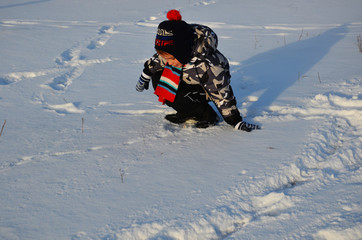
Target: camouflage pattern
208	68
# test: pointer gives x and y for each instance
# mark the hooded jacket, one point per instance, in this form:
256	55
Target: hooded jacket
209	68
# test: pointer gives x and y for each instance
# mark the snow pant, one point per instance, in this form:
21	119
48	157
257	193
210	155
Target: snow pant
190	100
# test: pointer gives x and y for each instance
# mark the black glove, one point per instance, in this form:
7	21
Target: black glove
248	127
143	82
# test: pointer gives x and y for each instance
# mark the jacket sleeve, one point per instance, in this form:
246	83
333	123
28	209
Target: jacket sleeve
153	65
217	84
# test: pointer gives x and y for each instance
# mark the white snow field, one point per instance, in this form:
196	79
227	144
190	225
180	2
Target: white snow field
83	155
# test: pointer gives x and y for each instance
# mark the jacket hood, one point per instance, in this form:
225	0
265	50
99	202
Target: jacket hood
206	41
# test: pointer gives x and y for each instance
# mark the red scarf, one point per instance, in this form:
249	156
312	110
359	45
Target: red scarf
168	84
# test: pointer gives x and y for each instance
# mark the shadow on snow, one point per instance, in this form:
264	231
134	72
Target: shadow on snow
274	71
23	4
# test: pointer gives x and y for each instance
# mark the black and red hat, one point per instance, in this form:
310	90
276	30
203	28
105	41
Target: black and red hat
175	37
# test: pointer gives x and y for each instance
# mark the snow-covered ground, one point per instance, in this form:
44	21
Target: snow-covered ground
85	156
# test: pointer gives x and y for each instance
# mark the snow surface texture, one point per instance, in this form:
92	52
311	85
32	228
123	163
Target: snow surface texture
85	156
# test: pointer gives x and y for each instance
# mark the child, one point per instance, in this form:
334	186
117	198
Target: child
188	71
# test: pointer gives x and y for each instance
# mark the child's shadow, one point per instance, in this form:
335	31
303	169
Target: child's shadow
274	71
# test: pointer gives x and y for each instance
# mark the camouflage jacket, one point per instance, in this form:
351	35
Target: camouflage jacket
208	68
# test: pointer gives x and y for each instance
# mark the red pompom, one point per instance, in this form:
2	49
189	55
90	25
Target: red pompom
174	15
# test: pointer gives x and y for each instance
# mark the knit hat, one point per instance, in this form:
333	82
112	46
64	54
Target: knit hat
175	37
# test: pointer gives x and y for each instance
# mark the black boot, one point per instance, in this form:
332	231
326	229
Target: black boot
204	120
178	117
207	119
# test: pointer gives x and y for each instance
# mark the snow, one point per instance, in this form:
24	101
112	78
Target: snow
85	156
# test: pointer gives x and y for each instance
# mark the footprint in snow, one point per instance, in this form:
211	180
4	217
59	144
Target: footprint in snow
272	204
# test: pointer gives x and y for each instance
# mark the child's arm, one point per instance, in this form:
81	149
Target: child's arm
151	66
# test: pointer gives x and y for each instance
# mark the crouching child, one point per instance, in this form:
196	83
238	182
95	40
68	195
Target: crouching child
187	72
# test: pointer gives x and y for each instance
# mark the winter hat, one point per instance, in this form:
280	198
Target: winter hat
175	37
